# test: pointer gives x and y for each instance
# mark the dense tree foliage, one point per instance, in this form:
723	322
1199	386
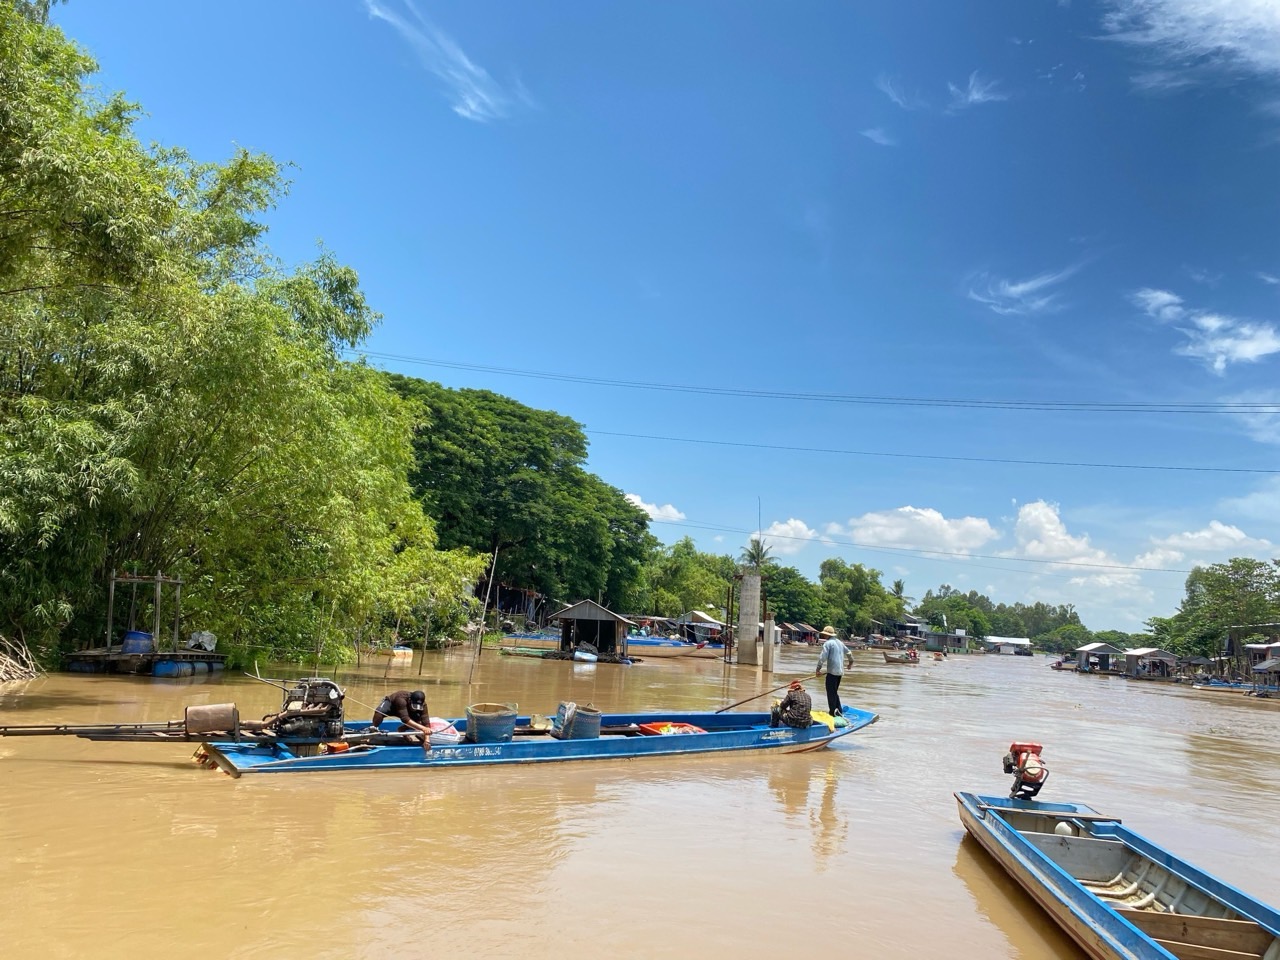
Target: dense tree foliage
172	399
1237	593
502	478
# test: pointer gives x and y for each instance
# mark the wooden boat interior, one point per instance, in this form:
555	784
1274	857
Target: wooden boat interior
1184	919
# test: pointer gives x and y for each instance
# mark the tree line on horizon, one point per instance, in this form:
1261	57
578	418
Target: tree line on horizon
173	398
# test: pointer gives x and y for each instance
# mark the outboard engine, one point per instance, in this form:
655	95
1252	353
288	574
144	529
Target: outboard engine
1029	771
312	710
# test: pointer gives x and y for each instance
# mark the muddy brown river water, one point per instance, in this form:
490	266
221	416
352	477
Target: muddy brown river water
130	850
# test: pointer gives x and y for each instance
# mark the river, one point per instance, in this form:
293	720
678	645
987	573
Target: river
130	850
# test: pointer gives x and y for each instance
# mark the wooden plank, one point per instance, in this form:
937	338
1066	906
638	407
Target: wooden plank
1239	936
1190	951
1055	814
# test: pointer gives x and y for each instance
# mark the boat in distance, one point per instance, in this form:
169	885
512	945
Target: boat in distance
1117	894
623	736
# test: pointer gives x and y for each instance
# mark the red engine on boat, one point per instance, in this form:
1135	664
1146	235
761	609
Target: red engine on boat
1029	770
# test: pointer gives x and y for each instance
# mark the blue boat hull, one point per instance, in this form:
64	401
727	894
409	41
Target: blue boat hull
1093	922
725	733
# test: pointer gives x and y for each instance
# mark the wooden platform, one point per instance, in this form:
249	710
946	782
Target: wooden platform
157	663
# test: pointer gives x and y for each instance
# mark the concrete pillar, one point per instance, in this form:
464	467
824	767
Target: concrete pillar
749	619
767	648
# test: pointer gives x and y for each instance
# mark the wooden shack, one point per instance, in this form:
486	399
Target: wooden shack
588	622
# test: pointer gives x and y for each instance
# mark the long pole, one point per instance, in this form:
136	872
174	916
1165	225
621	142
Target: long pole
756	697
484	613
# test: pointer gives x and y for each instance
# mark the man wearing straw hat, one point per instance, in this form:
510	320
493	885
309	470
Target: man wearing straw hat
831	658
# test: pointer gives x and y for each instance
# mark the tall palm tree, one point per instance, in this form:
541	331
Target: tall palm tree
755	555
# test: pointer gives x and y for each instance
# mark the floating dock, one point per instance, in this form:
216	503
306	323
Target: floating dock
154	663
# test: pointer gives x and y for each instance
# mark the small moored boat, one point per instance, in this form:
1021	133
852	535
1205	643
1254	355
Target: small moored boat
656	647
1116	893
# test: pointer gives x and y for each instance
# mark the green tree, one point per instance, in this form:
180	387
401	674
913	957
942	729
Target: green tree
755	555
504	478
794	598
172	399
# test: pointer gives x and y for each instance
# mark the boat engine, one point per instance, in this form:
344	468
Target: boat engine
312	710
1028	769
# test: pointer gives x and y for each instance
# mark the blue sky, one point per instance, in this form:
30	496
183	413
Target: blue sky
672	219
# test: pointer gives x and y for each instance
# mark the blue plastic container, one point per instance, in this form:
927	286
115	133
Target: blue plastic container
491	722
574	722
172	668
137	641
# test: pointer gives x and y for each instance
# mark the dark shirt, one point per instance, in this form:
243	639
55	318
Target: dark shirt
406	711
796	709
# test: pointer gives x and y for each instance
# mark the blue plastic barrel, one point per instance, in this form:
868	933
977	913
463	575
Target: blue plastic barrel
171	668
137	641
491	722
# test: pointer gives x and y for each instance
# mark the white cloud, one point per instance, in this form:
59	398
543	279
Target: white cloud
1261	504
1261	419
1040	534
1202	33
1217	537
920	528
1268	278
1020	297
891	89
1160	304
1217	540
880	136
786	537
475	94
975	92
655	512
1215	338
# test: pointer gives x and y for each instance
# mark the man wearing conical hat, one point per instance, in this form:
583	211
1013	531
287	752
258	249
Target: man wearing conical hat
831	659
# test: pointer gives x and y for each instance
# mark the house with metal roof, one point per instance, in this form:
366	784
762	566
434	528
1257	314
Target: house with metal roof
1098	657
1150	663
588	622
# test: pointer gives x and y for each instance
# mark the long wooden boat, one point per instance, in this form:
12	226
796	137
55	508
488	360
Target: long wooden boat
899	657
1116	893
621	738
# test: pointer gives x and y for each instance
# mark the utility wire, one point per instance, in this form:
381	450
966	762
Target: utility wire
921	552
1077	406
928	456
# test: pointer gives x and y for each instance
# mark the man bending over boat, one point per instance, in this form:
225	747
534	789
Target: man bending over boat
832	658
795	710
411	708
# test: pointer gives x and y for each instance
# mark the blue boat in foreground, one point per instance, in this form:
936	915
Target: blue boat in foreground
626	736
1117	894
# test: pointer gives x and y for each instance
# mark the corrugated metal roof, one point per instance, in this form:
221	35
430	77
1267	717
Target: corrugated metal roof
1152	653
589	610
1100	648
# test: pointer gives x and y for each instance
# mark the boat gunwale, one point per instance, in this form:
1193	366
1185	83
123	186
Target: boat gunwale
224	753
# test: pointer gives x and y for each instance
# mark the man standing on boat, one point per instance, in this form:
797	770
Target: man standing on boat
411	708
832	658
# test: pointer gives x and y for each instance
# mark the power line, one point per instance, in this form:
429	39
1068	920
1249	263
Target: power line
929	456
1070	406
